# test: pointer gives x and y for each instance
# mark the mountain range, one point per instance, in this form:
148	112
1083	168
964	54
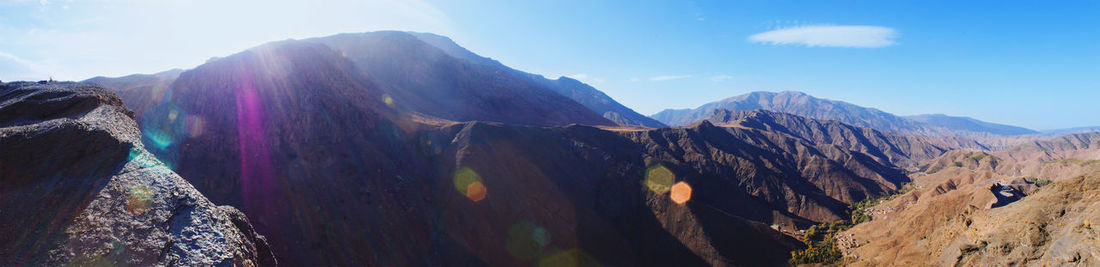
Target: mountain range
301	123
400	148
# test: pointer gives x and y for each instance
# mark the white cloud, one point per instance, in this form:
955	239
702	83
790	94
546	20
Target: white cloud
719	78
578	76
15	68
668	77
829	36
634	79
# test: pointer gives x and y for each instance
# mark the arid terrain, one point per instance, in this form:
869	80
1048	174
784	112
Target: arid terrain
405	149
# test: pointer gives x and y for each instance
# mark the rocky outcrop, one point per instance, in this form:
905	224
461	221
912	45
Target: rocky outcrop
77	187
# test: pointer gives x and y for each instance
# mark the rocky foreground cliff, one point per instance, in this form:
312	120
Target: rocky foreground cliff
78	187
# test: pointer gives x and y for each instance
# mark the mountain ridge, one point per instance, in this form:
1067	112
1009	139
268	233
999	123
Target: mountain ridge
800	103
590	97
887	147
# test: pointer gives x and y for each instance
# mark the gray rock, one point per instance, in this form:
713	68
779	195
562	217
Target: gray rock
78	187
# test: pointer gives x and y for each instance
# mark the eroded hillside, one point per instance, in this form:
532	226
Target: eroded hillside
1032	204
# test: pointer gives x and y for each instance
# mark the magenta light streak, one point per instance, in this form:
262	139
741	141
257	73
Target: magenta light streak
256	167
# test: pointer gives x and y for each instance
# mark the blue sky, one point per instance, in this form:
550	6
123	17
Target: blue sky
1030	63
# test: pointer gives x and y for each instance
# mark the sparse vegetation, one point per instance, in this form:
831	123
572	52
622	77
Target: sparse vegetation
976	156
820	239
821	242
931	170
1037	181
1073	161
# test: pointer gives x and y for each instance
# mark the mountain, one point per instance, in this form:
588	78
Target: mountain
424	79
885	147
801	104
596	100
139	86
1072	130
453	73
967	124
578	91
796	103
79	188
329	164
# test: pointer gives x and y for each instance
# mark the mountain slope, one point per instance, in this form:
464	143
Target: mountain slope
425	79
584	94
801	104
78	188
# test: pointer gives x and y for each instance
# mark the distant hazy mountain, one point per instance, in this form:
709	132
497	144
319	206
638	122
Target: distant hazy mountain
969	124
139	86
802	104
1072	130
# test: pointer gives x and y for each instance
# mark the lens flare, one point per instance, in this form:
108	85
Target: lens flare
194	125
468	182
257	168
110	254
569	258
659	179
144	160
476	191
138	199
387	99
681	193
161	140
526	240
165	126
